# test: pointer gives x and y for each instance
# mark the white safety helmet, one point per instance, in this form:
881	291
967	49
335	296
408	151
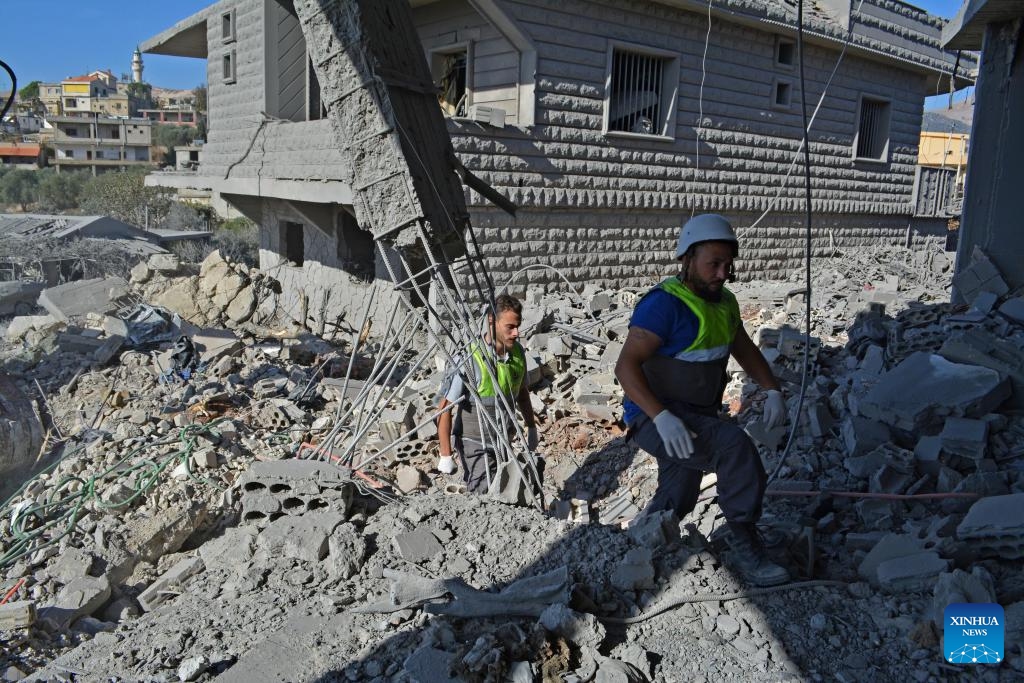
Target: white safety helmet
705	228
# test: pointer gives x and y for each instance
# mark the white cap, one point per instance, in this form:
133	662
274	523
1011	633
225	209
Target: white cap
704	228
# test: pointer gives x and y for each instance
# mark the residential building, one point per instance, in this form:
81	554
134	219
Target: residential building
51	95
941	170
100	143
606	122
176	116
78	92
992	206
19	154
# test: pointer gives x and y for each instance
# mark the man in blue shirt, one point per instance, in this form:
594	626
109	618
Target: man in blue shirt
672	368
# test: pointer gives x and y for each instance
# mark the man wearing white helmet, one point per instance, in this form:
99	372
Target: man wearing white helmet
672	369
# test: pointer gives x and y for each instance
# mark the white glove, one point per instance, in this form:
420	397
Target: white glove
674	434
774	409
532	439
446	464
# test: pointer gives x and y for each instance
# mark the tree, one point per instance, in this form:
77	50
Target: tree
29	92
60	191
141	92
169	137
199	97
124	195
19	187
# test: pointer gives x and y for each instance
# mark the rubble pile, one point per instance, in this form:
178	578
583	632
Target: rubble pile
196	519
223	294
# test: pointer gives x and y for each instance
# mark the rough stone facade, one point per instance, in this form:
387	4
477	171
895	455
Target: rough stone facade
597	205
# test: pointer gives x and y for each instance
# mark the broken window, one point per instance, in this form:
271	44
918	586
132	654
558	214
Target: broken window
872	138
450	71
641	92
292	242
355	248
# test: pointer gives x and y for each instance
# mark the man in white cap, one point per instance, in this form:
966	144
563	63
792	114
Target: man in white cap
672	369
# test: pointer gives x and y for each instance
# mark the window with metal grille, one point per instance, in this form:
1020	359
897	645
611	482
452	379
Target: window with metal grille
872	138
635	101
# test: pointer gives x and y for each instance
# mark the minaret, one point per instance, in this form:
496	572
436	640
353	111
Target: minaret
137	66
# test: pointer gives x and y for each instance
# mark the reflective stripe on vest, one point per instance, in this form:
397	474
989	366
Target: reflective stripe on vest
696	375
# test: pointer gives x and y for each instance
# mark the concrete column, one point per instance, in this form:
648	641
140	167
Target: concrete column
992	196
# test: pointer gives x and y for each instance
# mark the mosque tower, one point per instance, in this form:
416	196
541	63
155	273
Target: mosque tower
137	66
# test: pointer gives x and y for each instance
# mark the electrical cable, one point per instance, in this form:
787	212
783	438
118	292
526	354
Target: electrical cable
807	126
807	242
14	88
700	105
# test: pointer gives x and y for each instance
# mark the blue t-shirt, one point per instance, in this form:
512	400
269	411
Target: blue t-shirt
675	324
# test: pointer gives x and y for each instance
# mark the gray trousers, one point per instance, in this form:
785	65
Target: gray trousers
720	447
476	461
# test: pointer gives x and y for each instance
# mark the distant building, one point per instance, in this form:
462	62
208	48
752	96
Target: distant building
101	143
78	92
177	116
19	154
51	94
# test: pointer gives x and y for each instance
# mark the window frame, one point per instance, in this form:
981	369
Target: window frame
227	21
229	64
779	42
669	94
886	151
435	54
776	83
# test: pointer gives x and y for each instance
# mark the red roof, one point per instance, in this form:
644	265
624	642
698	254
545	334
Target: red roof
80	79
10	150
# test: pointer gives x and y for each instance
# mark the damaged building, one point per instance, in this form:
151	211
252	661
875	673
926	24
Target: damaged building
602	132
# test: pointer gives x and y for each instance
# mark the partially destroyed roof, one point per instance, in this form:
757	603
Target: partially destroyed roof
43	226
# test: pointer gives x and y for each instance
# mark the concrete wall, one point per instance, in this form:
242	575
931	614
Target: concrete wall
323	287
637	247
992	203
241	142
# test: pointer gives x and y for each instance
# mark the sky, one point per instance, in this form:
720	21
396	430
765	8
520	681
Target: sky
50	40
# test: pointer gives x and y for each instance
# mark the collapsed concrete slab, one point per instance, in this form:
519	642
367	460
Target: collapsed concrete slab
100	295
921	391
994	526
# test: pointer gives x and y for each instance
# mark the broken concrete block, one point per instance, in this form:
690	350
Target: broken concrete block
979	346
994	526
635	571
395	422
140	273
960	586
927	452
861	434
654	530
527	597
580	628
191	668
911	572
19	614
873	361
302	537
408	479
965	437
925	388
890	547
153	537
346	552
169	583
205	458
73	563
417	545
1014	309
893	477
99	295
430	665
981	276
81	597
769	438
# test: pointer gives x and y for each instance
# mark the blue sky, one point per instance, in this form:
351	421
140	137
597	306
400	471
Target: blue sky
49	40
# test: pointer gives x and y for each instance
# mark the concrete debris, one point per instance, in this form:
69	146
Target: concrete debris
74	299
208	519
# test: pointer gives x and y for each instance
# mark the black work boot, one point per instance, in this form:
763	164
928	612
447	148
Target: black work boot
748	557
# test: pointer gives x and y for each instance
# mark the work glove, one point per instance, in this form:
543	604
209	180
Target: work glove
674	435
446	464
774	409
532	439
